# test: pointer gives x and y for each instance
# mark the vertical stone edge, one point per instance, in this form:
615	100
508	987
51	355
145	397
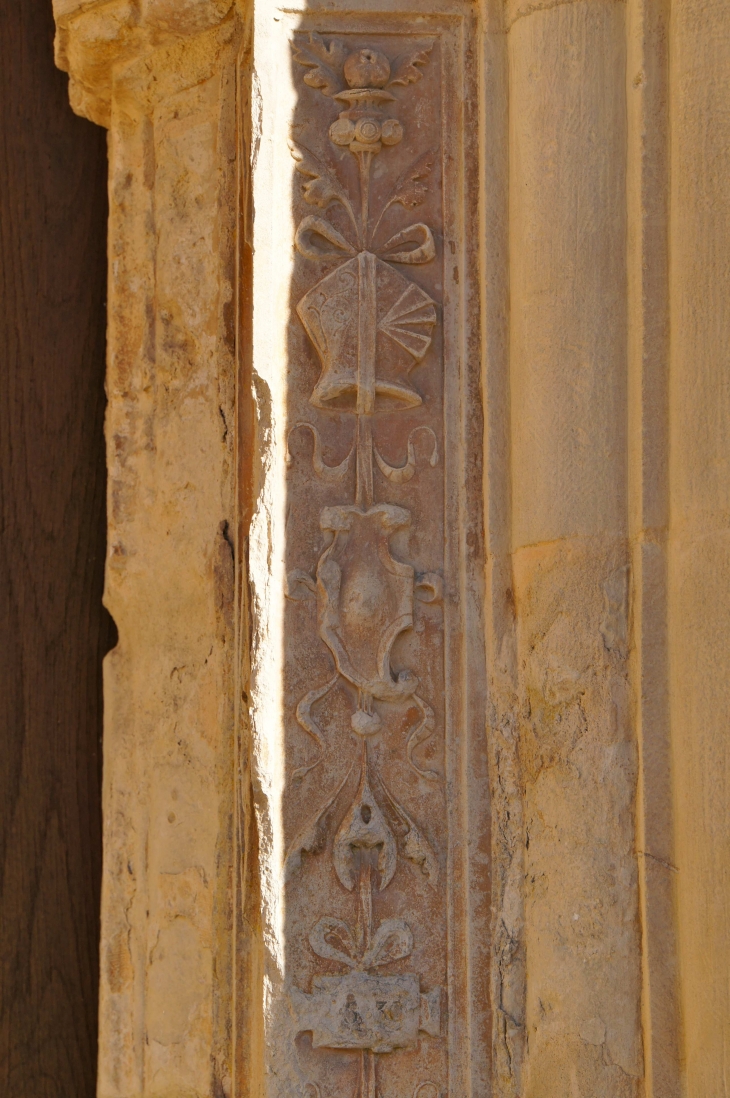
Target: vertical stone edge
268	161
506	944
699	542
647	93
479	816
247	1007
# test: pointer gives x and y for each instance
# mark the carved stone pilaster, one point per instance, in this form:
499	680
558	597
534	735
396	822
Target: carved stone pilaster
383	691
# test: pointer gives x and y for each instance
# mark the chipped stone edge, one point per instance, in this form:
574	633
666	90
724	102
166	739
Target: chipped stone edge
96	37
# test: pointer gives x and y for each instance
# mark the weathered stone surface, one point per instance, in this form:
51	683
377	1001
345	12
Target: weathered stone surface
699	479
169	684
577	749
416	660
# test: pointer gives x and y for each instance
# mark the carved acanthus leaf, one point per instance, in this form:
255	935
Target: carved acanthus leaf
418	850
322	187
313	836
410	189
323	61
300	585
416	847
404	69
335	940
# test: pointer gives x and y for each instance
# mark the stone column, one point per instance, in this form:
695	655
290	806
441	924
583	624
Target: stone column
568	376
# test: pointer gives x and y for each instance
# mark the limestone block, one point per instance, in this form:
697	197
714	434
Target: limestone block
577	751
568	261
578	761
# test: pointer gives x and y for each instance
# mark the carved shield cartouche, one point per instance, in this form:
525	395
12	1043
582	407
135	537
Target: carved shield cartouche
365	597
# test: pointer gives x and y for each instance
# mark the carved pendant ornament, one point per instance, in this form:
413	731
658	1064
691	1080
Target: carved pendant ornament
370	325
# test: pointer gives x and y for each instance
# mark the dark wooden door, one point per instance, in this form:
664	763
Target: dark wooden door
53	630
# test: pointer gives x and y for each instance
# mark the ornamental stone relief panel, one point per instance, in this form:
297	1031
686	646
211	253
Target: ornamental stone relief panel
376	740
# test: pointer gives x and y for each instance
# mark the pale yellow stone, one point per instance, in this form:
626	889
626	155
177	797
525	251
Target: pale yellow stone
699	608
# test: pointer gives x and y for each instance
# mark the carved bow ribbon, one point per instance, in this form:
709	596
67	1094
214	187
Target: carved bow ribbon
318	239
